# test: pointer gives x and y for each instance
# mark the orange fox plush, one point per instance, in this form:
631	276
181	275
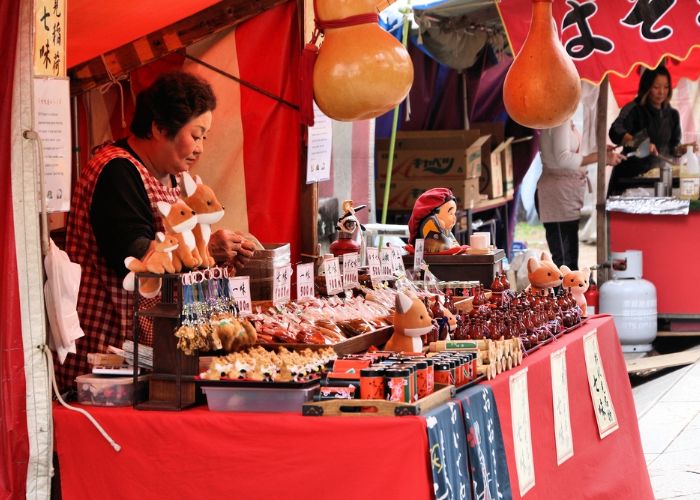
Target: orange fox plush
179	219
159	260
209	211
577	282
543	274
411	320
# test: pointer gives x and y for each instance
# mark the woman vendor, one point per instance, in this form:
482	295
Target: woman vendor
651	116
114	211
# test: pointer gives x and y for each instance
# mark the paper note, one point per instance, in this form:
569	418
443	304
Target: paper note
351	262
522	434
282	284
334	283
386	259
418	255
375	266
560	404
600	395
239	289
305	282
399	269
318	158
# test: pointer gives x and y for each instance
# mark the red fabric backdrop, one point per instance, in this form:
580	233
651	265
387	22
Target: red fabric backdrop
14	444
594	472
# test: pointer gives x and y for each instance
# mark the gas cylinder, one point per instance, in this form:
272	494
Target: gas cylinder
631	300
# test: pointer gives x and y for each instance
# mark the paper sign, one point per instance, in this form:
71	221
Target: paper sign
418	256
282	284
50	38
386	259
305	281
399	269
375	265
522	435
318	157
52	119
239	290
600	395
350	264
560	404
334	283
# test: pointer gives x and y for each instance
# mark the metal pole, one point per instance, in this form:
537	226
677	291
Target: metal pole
602	229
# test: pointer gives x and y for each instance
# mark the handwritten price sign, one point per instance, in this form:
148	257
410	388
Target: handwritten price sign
418	256
305	282
386	258
239	290
334	283
600	394
375	265
399	269
282	285
351	261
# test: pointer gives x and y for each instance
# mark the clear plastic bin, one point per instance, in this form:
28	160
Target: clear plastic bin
262	399
100	390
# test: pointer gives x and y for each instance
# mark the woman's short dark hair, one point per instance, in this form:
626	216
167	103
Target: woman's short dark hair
170	102
647	80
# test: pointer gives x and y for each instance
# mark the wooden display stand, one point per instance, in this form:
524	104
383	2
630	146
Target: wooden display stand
462	267
171	385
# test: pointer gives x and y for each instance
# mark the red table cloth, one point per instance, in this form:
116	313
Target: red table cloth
200	454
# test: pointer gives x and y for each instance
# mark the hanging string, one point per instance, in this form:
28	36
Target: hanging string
104	88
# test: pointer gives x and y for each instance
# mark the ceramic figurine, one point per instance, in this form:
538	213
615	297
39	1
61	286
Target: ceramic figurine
577	283
349	231
543	274
433	217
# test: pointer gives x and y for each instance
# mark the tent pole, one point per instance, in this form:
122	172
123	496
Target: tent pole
602	231
465	102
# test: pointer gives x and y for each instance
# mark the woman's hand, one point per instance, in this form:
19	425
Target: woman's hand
611	157
230	248
653	150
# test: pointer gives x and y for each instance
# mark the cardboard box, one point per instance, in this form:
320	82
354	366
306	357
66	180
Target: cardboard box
432	154
501	147
403	194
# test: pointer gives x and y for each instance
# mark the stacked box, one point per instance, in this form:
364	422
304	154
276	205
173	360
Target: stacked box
501	160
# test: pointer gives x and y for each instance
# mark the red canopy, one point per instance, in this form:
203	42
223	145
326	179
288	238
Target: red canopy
613	37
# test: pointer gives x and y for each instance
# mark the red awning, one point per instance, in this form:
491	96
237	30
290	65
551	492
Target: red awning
613	37
97	27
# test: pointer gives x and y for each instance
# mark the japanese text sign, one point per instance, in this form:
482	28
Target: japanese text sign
239	290
49	38
600	395
305	281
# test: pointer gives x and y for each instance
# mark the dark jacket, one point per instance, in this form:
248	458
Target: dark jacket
662	125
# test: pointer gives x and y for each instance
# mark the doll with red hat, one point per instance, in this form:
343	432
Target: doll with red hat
433	217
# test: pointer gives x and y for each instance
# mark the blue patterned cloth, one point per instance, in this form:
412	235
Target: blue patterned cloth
487	456
448	452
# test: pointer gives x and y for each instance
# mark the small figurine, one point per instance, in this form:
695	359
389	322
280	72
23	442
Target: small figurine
433	217
349	231
577	282
543	274
411	320
201	199
159	260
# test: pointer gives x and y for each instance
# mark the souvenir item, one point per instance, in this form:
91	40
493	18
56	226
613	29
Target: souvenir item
209	211
411	320
179	220
577	283
543	274
432	219
349	231
159	260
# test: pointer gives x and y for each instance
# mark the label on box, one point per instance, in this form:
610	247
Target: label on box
375	265
351	261
386	257
418	255
282	284
334	283
239	290
305	281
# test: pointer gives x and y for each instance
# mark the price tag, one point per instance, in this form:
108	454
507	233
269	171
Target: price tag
334	284
239	290
282	284
305	281
351	261
399	269
375	265
418	256
386	257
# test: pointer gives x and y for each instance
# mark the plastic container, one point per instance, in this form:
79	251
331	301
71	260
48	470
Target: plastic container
99	390
262	399
690	176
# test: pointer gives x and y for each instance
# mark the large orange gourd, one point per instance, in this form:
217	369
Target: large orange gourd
361	71
542	87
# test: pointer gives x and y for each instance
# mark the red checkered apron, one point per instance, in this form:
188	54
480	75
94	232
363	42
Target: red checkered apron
104	307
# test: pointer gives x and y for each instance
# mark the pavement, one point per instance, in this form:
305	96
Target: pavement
668	409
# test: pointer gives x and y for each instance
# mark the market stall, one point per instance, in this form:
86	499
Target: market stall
255	455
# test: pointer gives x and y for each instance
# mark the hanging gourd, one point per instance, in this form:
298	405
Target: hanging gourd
542	87
361	71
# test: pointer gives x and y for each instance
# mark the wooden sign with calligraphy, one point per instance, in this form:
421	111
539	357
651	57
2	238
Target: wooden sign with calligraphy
560	404
49	38
600	394
522	433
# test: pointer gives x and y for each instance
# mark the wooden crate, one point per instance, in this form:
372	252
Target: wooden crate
378	407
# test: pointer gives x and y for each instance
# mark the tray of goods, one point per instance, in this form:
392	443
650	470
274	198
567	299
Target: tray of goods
259	380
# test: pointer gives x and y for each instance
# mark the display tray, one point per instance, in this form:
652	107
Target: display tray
378	407
353	345
228	382
269	397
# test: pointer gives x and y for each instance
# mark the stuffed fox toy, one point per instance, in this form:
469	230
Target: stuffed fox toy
202	200
577	282
543	274
159	260
179	219
411	320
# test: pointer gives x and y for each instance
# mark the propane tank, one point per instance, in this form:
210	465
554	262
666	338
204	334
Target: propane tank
631	301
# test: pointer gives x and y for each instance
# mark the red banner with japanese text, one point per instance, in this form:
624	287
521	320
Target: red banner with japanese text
613	36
